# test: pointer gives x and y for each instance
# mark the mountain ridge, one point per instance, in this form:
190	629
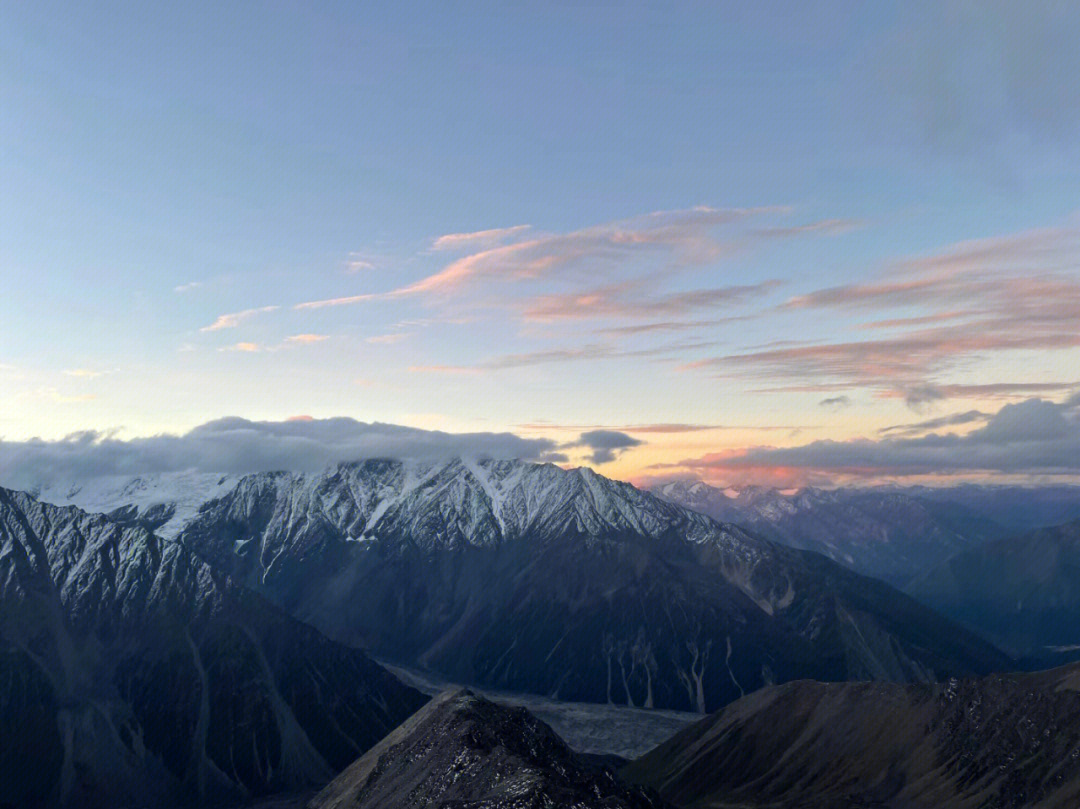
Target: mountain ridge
534	578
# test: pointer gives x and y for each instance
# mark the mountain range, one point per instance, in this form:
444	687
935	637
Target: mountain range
890	534
134	674
530	577
201	640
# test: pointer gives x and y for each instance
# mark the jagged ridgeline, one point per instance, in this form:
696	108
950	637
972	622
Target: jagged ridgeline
133	674
565	583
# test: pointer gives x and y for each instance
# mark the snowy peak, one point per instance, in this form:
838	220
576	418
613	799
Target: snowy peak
458	503
164	502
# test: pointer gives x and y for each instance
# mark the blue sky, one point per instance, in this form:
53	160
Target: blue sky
715	165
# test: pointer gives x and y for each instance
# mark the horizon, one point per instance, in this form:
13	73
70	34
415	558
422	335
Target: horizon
823	247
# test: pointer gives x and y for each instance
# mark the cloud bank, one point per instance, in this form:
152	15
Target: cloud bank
1033	437
239	446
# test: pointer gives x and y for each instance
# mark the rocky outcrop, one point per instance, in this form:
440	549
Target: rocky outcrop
462	750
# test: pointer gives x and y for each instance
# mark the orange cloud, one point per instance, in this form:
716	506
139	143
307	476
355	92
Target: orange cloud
304	339
232	320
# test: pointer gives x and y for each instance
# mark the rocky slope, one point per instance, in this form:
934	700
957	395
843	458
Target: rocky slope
462	750
1004	741
1023	592
132	674
888	534
528	577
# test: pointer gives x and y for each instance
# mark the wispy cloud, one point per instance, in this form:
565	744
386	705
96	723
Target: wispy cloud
453	370
188	287
823	227
306	339
359	262
60	397
658	428
478	238
573	354
1012	293
686	233
234	319
952	420
675	237
246	348
635	299
388	339
84	373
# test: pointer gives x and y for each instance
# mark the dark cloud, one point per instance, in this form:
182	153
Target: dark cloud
836	402
236	445
1033	437
955	419
606	445
921	397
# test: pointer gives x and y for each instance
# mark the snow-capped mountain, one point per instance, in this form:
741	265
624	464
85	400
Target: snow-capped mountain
889	534
561	582
136	675
163	502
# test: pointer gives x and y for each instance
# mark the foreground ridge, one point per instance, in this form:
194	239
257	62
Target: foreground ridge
1005	741
464	750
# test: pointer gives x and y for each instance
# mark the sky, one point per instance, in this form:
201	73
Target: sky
750	242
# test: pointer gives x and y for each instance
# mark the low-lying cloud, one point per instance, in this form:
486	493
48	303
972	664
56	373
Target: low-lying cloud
1033	437
239	446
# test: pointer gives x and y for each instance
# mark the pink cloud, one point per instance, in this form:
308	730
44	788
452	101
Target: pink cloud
478	238
232	320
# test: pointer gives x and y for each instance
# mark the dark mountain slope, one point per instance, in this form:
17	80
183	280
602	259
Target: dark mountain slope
132	674
461	751
1001	742
529	577
1023	592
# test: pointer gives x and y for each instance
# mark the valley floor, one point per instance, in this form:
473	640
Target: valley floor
595	729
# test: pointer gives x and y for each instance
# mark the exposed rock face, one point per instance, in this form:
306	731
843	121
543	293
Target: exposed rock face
528	577
463	751
890	535
1023	592
1004	741
132	674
